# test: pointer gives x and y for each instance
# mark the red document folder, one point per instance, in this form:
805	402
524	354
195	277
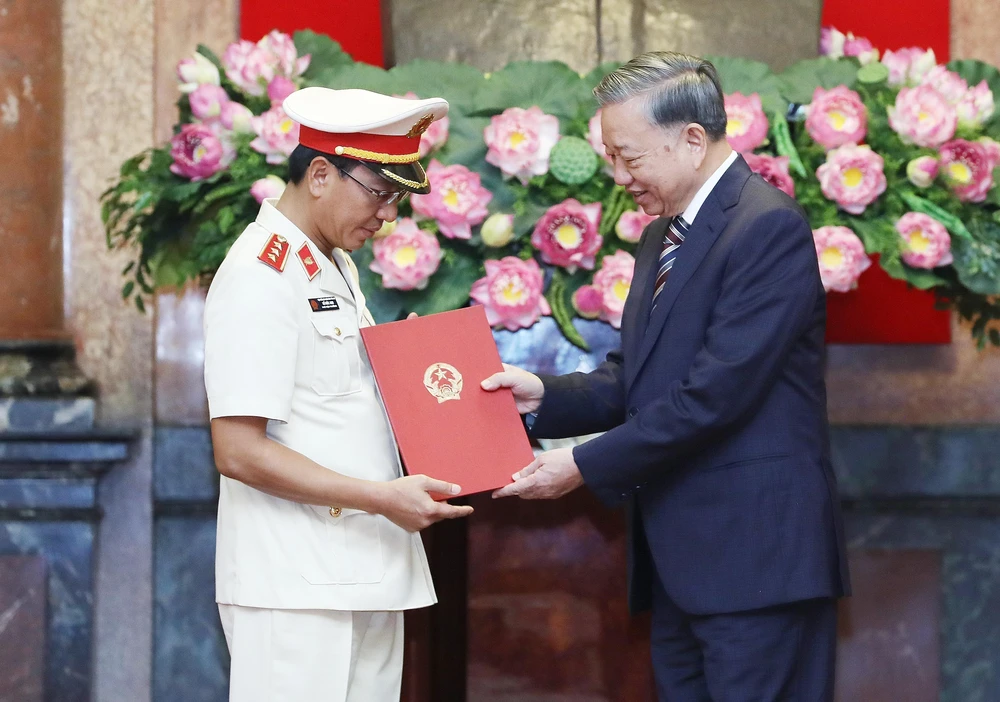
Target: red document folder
428	370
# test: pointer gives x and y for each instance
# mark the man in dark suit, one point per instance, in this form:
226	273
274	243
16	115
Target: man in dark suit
714	409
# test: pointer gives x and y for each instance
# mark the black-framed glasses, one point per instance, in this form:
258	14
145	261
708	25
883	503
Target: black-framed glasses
384	197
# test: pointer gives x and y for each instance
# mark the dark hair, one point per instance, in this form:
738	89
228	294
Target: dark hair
679	89
302	156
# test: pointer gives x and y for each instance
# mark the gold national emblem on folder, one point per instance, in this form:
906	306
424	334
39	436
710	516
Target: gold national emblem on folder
443	382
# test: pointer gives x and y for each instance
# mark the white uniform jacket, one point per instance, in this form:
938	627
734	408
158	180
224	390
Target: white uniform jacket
285	345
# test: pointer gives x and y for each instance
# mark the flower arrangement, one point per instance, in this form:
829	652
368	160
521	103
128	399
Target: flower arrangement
891	157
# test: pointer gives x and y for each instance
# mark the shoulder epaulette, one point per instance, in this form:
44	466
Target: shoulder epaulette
275	252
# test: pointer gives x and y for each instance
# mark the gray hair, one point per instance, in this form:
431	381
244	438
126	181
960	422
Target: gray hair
679	89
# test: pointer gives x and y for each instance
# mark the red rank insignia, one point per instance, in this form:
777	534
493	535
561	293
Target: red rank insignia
308	262
275	252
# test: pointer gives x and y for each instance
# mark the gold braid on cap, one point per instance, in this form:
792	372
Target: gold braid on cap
405	181
375	155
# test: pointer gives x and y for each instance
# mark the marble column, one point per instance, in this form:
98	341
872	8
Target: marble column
108	60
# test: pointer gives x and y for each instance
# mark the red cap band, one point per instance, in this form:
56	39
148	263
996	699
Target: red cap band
378	148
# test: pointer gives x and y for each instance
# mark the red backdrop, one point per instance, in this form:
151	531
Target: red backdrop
881	309
356	24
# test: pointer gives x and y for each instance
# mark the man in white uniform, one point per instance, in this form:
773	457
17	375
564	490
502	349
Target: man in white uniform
317	551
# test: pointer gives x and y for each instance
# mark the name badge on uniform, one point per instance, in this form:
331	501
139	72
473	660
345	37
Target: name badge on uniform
324	304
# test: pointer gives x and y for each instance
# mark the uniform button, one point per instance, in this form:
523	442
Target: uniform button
335	512
632	411
336	330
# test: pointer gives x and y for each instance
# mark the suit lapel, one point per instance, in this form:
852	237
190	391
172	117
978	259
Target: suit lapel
709	223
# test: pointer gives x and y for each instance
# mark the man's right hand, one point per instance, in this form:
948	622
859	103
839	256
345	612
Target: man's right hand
527	387
408	503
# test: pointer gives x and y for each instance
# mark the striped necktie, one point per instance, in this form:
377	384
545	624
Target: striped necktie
672	240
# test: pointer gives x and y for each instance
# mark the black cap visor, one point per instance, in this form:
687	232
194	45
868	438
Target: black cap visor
408	176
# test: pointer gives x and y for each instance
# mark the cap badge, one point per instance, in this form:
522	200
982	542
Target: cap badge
275	252
443	382
420	127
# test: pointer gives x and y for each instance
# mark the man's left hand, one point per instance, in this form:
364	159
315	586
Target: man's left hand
551	475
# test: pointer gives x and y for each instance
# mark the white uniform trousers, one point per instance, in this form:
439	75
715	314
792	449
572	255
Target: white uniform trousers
292	655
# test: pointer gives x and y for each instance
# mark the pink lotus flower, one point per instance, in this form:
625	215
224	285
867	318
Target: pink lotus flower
567	235
265	188
908	66
852	177
926	241
968	166
951	86
234	60
237	117
277	135
861	48
457	200
835	44
195	71
595	137
207	102
842	257
746	123
992	147
511	292
588	301
520	142
279	88
922	171
281	47
198	152
614	280
976	106
406	258
773	169
922	117
251	67
837	117
631	225
831	42
435	136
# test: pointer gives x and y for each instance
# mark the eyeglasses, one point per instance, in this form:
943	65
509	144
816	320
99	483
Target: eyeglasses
384	197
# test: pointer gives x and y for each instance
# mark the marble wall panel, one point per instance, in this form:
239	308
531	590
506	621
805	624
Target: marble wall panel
180	357
975	30
191	661
777	33
914	384
22	628
30	131
489	35
970	607
888	630
66	547
548	617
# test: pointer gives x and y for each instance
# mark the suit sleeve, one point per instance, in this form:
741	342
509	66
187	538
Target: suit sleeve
582	403
770	292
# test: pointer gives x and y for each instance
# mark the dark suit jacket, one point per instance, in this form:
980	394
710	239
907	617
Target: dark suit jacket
715	412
